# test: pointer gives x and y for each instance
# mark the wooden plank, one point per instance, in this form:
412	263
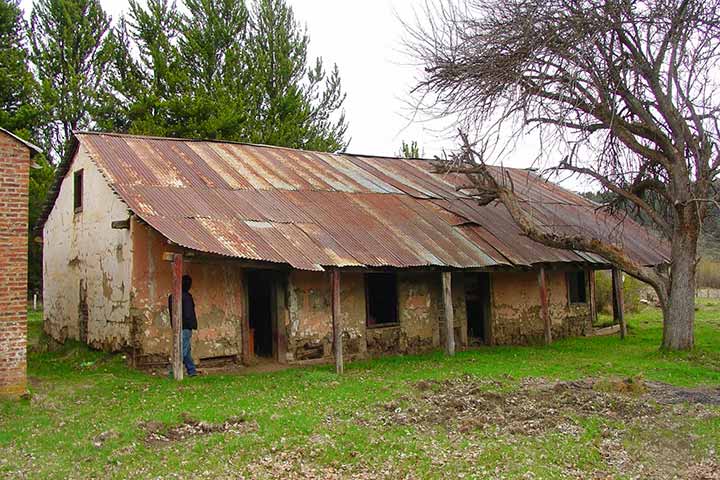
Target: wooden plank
337	323
449	314
120	224
177	273
544	310
618	301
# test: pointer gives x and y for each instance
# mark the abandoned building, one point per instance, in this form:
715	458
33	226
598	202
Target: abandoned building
260	228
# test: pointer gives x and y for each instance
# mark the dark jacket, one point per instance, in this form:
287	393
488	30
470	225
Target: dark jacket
189	320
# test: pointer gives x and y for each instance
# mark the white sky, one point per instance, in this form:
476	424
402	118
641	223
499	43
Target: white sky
365	39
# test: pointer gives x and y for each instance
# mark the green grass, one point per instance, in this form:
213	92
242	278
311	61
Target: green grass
314	415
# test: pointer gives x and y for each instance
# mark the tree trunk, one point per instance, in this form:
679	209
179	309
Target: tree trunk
679	312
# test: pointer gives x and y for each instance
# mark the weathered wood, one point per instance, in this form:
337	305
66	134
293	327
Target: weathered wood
120	224
449	313
247	352
544	310
177	273
591	291
618	301
337	323
281	316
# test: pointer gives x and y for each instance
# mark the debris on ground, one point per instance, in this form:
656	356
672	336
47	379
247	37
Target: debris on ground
467	403
158	432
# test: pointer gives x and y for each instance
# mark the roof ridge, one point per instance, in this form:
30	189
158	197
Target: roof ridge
262	145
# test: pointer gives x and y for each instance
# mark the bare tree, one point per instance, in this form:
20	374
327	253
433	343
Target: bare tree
625	90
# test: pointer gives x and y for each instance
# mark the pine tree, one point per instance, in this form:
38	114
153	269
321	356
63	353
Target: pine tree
221	72
21	114
70	51
293	102
19	110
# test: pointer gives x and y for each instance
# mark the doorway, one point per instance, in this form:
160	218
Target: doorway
477	303
261	313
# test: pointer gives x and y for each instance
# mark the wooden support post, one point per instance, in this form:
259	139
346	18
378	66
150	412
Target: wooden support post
177	273
246	353
337	323
449	314
544	311
591	290
618	302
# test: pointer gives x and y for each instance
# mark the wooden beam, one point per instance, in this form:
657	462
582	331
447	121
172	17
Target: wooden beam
177	273
449	314
544	310
120	224
618	301
337	323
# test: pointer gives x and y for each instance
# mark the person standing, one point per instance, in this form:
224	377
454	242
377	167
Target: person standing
189	323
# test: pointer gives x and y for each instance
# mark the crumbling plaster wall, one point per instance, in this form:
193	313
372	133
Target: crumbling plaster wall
217	289
83	257
515	308
309	328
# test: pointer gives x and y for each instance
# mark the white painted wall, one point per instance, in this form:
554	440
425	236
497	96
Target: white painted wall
84	247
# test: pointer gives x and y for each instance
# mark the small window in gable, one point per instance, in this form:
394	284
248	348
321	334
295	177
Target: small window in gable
577	287
381	299
78	191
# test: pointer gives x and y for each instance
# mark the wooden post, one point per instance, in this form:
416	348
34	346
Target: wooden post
337	324
247	354
544	311
591	290
177	273
618	302
449	314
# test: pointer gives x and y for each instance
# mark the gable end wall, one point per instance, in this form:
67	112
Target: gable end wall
87	264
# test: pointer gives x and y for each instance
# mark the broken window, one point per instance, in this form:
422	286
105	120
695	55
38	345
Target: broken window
381	299
577	291
78	191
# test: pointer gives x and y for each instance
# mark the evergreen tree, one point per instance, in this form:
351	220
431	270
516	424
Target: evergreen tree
21	114
409	150
220	72
42	174
70	51
19	111
293	102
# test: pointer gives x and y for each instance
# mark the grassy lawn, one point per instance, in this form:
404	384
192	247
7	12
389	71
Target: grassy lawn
488	413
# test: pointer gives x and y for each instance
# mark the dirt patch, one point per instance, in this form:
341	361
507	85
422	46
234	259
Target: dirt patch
159	433
467	403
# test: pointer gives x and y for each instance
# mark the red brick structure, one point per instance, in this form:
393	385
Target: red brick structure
14	172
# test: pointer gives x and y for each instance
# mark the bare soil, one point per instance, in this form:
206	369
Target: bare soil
160	433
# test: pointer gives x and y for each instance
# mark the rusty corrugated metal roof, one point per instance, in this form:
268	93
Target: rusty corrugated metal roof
312	210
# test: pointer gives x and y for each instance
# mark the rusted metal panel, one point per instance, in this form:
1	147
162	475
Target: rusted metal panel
313	210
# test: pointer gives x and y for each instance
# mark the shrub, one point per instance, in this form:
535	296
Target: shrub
632	292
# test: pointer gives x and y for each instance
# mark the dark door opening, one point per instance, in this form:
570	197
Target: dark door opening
260	311
477	303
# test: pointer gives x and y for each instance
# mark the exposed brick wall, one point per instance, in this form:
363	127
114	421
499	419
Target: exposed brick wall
14	171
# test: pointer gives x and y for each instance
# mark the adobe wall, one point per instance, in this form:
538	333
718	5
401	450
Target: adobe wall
515	310
217	290
14	170
87	263
309	328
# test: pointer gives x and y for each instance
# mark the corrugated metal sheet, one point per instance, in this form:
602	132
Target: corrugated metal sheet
313	210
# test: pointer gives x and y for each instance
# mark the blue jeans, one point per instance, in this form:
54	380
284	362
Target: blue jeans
187	358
